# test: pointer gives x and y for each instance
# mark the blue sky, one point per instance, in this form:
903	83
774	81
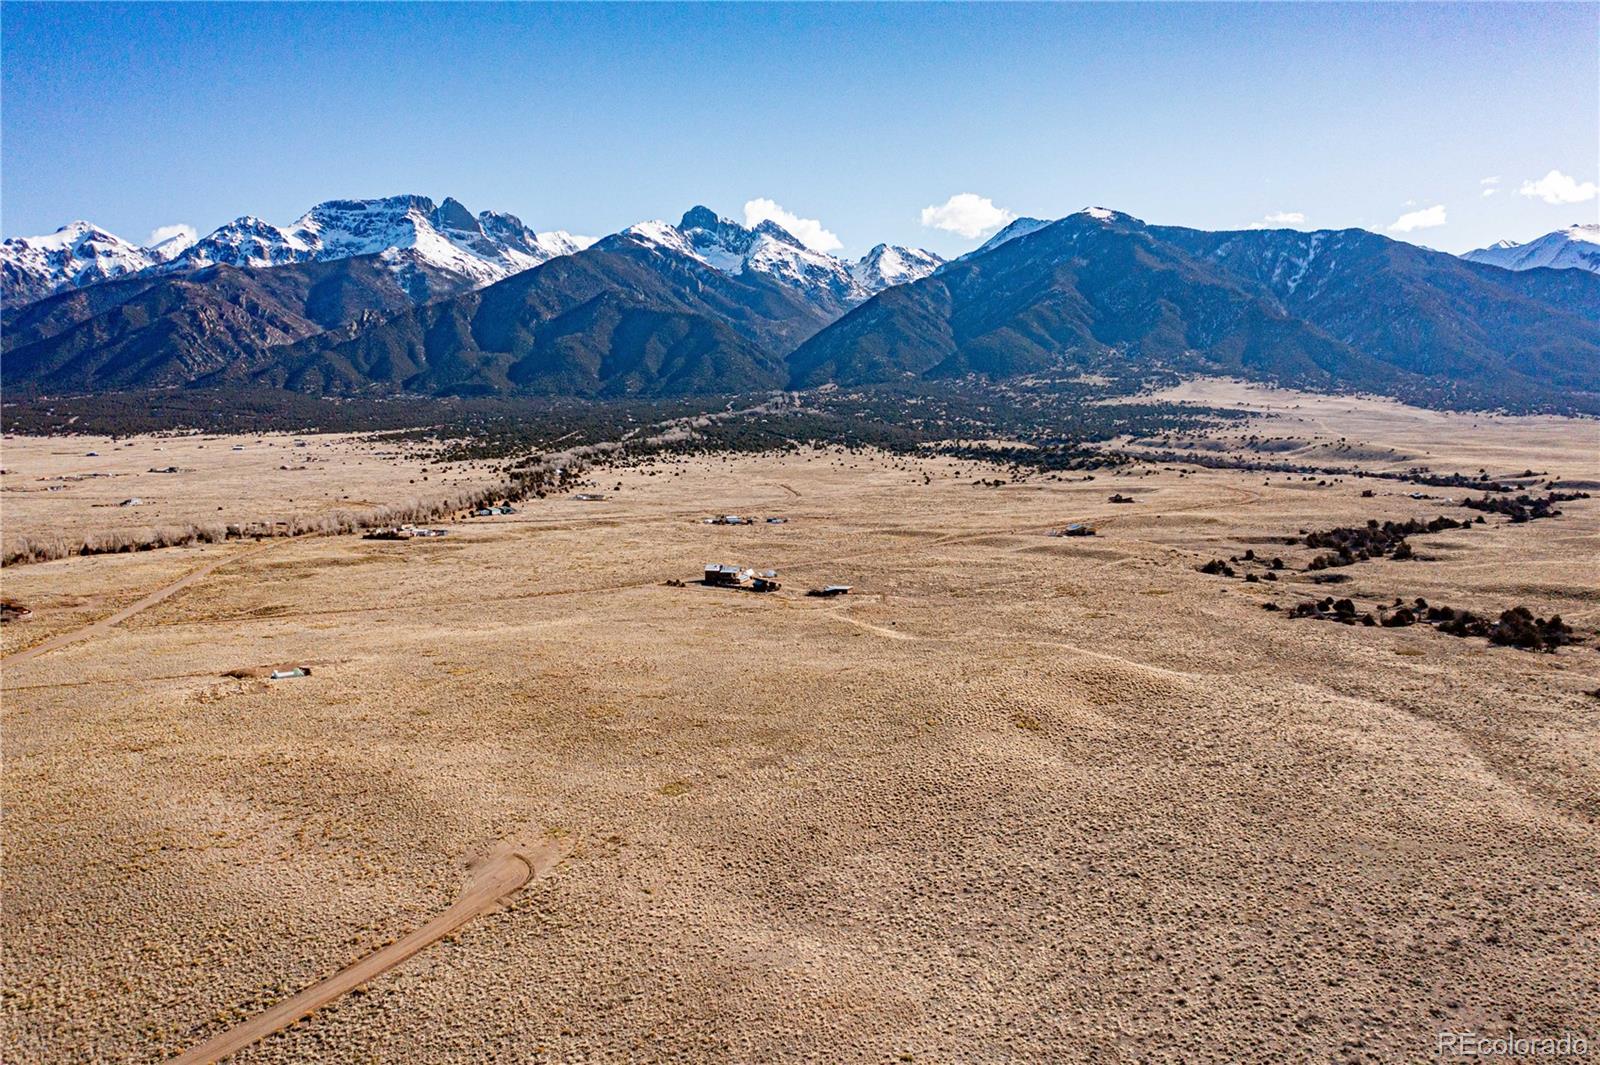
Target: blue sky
591	117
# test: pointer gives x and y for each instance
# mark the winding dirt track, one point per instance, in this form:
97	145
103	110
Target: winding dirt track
501	876
126	612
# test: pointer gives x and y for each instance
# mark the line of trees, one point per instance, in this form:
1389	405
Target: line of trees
539	478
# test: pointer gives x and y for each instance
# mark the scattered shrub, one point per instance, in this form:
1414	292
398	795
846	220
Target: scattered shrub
1524	507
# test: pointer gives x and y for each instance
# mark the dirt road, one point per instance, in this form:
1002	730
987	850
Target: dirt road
126	612
500	876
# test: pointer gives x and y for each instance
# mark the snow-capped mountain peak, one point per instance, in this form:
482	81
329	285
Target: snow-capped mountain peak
1575	248
247	241
767	249
887	265
659	234
1106	216
79	253
1019	227
171	247
771	250
71	235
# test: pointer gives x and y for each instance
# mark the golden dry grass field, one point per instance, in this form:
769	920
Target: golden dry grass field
1014	798
76	486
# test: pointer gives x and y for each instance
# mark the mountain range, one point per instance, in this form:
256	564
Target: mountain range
1329	309
402	296
434	250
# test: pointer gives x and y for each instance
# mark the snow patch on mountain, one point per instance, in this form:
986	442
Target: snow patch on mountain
1291	270
1574	248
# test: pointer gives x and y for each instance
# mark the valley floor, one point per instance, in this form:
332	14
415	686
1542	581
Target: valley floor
1015	797
69	488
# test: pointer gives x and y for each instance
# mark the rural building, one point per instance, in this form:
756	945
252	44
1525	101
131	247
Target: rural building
726	576
404	532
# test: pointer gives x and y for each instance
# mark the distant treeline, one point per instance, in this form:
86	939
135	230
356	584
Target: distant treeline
1059	414
228	411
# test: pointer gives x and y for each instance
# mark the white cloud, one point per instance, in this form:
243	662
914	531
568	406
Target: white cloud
1281	220
177	229
1490	185
967	214
1490	180
1556	187
1427	218
809	230
1489	192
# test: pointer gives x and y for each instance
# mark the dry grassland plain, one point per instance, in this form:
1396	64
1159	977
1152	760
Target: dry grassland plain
73	486
1015	798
